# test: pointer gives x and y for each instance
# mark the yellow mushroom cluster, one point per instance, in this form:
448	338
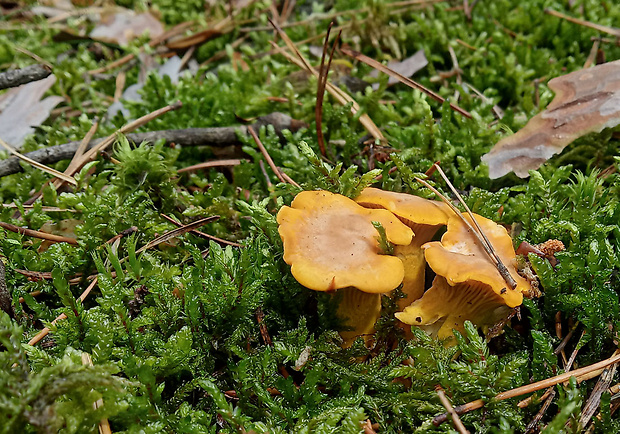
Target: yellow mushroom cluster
332	245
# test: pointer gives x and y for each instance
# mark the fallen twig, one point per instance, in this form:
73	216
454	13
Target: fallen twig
215	137
17	77
594	401
177	232
580	374
104	424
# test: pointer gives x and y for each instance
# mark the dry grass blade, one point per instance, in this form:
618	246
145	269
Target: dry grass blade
341	96
409	82
488	247
46	330
209	164
177	232
37	234
322	81
580	374
202	234
604	29
456	421
38	165
263	151
104	424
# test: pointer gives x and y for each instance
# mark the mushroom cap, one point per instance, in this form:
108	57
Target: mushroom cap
331	243
414	209
459	258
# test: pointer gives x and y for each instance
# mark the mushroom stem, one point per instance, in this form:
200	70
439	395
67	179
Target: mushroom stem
358	312
413	259
488	248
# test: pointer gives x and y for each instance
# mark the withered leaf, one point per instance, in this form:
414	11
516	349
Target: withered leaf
586	101
21	109
122	27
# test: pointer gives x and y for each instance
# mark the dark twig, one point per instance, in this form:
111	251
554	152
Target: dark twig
594	401
17	77
215	137
532	427
6	301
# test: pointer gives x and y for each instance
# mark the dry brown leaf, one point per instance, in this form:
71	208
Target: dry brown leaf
22	109
122	27
586	101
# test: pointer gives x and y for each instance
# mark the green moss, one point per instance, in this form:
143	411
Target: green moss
193	336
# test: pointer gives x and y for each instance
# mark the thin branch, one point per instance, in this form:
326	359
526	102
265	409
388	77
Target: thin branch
45	331
580	374
341	96
17	77
104	424
594	401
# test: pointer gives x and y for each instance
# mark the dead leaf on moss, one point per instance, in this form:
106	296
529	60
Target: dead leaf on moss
586	101
122	27
21	109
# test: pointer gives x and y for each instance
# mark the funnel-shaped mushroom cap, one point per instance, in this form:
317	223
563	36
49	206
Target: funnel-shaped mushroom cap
416	210
445	307
459	257
330	243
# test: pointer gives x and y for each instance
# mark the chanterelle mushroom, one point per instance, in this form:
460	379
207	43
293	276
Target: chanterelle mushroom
424	217
468	286
331	243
